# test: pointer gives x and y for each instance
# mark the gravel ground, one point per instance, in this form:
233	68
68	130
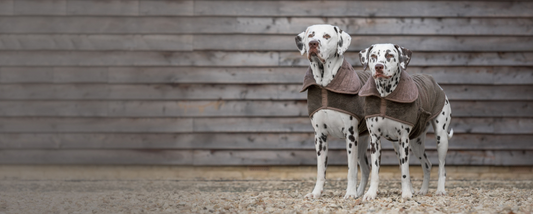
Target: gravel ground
252	196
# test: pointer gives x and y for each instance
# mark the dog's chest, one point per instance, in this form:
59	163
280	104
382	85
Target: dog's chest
332	122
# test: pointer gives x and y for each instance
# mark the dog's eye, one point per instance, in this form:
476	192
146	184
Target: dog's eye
326	36
311	35
388	55
374	56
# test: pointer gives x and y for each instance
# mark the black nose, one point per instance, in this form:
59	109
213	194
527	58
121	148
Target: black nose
379	67
313	44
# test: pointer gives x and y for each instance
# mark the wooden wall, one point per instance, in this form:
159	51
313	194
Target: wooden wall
216	82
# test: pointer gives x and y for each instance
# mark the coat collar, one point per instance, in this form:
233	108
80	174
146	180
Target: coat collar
346	81
405	92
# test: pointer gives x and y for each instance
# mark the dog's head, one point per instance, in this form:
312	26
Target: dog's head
322	42
385	60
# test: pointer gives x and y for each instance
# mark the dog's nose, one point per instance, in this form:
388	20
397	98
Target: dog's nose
313	44
379	67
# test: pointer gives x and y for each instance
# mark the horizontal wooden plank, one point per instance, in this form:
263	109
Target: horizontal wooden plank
126	157
233	59
175	91
225	125
364	8
273	8
250	42
244	157
338	157
85	125
236	141
243	75
459	125
6	7
96	42
264	25
137	58
360	42
222	108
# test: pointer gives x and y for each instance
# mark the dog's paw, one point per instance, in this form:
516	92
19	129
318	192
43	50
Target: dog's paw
422	192
313	195
370	196
407	194
351	195
440	193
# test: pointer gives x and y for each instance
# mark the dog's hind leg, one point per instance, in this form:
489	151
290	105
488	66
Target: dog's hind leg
363	163
440	125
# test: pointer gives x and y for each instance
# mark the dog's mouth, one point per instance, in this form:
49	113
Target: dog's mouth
314	57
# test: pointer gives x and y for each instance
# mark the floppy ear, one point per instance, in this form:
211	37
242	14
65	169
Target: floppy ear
404	56
344	40
300	42
363	57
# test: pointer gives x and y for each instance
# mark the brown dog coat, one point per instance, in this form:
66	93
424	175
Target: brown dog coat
416	100
341	94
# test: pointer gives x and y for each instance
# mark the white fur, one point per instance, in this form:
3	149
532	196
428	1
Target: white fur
325	65
398	132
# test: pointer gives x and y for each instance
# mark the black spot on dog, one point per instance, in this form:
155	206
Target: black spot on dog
326	162
420	158
438	137
379	130
355	142
351	118
425	155
352	138
376	162
350	145
444	126
438	141
325	126
406	151
318	153
437	121
324	137
427	167
349	152
404	176
351	130
407	129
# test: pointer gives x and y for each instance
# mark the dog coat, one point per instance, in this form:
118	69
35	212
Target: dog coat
416	100
341	94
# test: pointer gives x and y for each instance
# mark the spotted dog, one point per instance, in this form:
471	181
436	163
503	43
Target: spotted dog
399	107
335	109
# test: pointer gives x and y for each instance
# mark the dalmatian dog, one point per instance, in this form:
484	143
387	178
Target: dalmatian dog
325	46
387	62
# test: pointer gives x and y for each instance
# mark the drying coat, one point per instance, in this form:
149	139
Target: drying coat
341	94
416	100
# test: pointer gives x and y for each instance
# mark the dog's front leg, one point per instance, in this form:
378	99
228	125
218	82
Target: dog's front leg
352	138
407	189
322	162
375	151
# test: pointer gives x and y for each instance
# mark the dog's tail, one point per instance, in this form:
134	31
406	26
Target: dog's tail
451	134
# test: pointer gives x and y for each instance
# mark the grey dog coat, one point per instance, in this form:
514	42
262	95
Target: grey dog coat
341	94
416	100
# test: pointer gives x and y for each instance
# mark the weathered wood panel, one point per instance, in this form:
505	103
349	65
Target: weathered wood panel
173	91
125	157
222	108
244	75
273	8
364	8
96	42
264	25
236	141
88	125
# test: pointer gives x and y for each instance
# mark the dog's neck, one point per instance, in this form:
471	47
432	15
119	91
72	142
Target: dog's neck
324	73
387	86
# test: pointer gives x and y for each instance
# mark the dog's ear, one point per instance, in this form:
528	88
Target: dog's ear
404	56
363	57
299	39
344	40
